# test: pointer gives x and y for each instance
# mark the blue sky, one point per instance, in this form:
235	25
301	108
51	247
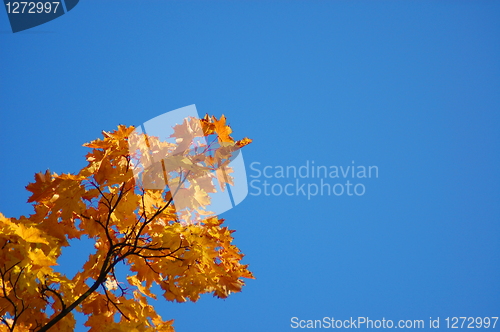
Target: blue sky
410	87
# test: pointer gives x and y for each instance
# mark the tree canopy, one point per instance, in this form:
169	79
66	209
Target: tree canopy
155	219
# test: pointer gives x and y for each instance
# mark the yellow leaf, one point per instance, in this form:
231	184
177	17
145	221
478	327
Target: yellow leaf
31	234
222	129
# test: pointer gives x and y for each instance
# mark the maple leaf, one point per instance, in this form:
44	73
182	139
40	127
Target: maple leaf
31	234
42	188
242	142
222	129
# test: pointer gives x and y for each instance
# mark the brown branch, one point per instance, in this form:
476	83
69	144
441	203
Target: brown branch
100	279
59	297
10	327
17	312
122	290
113	303
102	194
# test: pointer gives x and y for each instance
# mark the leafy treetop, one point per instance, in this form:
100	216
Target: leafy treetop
163	231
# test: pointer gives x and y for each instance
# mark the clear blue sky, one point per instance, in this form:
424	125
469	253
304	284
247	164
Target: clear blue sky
411	87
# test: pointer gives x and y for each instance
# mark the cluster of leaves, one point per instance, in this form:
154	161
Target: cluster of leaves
150	230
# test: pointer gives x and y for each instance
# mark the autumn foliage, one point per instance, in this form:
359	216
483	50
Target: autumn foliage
166	235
